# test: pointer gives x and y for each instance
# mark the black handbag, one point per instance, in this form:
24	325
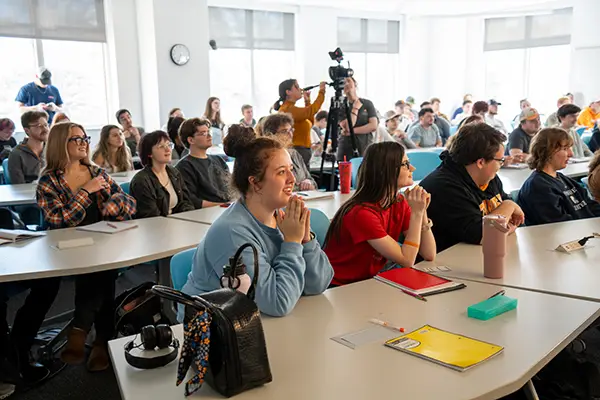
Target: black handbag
238	358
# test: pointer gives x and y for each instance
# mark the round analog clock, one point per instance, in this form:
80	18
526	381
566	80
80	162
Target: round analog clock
180	54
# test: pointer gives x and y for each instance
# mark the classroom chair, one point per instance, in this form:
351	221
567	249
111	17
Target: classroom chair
319	224
587	138
125	187
5	172
580	130
181	265
585	183
514	195
453	130
424	162
355	165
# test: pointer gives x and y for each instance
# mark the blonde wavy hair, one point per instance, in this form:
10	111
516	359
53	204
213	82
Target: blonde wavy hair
123	161
57	155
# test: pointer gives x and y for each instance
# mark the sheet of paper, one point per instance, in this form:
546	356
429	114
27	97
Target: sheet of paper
365	336
439	268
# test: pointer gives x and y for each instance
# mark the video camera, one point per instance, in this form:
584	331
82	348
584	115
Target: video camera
338	73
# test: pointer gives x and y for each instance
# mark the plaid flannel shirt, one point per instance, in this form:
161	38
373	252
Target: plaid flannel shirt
62	208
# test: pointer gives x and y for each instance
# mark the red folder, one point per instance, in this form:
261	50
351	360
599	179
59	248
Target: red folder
417	282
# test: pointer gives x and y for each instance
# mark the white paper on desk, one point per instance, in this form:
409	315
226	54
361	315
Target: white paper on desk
574	160
365	336
16	235
108	227
308	195
516	166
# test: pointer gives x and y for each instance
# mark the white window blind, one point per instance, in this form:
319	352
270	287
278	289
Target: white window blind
235	28
368	35
529	31
80	20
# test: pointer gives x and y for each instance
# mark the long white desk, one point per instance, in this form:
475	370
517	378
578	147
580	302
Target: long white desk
306	364
531	262
513	179
210	214
16	195
153	239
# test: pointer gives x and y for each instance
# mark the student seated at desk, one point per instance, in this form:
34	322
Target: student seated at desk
280	127
291	262
594	176
206	176
547	195
519	140
72	192
365	231
158	188
25	160
465	187
112	153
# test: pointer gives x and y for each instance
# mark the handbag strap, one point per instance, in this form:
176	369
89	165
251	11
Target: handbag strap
180	297
238	253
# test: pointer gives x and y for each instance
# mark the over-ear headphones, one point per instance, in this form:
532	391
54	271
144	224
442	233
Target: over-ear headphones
152	337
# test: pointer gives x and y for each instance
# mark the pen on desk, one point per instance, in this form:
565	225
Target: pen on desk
500	293
112	225
385	324
415	295
302	194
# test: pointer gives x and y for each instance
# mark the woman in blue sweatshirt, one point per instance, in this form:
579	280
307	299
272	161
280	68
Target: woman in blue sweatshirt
291	262
547	195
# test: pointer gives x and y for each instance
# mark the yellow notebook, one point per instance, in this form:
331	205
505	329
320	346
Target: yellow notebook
451	350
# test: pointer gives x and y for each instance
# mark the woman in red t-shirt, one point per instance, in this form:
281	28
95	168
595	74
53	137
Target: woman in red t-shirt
365	231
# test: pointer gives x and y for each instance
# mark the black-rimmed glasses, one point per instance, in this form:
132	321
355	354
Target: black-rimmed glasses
79	140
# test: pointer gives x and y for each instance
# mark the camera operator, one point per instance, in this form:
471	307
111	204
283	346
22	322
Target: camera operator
289	94
363	119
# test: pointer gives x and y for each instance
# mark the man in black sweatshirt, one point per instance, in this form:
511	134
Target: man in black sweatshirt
206	176
547	195
465	187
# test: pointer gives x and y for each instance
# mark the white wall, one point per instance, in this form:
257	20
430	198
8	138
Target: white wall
585	44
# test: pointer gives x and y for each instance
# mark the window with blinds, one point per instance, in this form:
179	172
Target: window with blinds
552	29
235	28
358	35
80	20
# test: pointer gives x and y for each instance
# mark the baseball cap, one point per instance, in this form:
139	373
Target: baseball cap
391	115
45	76
529	114
493	102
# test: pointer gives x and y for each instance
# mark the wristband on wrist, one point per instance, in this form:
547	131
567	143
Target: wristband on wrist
85	190
427	226
412	244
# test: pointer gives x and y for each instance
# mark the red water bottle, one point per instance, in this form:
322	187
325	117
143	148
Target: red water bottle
345	168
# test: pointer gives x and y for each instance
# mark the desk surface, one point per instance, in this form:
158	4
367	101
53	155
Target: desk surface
306	364
513	179
210	214
16	195
153	239
532	264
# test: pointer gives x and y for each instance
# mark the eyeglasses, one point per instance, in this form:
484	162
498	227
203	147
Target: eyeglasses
40	126
500	160
165	146
405	164
285	132
80	140
202	134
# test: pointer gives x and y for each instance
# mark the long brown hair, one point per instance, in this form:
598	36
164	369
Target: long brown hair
123	161
57	155
208	113
377	182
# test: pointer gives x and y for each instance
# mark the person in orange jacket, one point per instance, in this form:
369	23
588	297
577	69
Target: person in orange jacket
590	115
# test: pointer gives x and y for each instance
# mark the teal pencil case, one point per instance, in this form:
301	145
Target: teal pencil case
490	308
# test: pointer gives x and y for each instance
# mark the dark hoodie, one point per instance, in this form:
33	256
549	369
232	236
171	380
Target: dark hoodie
458	204
545	199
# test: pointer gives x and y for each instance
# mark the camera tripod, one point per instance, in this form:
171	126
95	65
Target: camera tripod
339	108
